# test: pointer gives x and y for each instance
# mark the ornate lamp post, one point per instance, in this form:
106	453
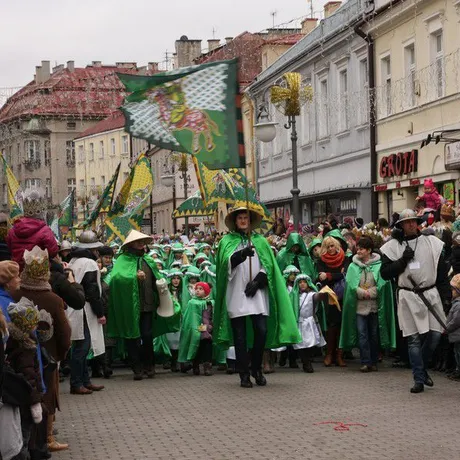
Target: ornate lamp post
288	98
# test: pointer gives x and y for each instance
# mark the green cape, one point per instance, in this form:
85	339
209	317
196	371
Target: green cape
281	324
192	272
286	257
349	333
208	275
190	335
124	300
295	295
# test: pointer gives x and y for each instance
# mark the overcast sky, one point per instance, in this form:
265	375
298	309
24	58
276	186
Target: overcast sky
122	30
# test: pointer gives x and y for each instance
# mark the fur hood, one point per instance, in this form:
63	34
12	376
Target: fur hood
373	259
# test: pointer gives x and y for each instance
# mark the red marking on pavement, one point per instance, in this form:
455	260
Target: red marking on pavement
340	426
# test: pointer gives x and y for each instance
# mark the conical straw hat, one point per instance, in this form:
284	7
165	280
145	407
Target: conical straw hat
134	235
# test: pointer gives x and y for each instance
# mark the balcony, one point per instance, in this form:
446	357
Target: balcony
32	164
70	162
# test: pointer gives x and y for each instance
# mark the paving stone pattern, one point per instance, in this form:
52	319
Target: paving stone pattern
177	416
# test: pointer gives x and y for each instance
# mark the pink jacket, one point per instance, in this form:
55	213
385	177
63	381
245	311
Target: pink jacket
27	233
432	200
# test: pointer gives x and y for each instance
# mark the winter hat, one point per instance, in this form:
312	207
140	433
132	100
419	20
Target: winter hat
24	314
205	286
455	283
289	270
8	271
428	183
359	222
36	273
447	211
105	251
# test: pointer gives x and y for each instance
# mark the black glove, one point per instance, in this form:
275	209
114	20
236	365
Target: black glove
408	254
239	257
259	282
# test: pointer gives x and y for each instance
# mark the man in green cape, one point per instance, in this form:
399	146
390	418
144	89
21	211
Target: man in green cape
296	253
368	320
133	304
250	290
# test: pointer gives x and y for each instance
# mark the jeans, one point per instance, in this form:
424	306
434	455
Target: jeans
421	349
259	325
79	375
457	354
368	334
140	351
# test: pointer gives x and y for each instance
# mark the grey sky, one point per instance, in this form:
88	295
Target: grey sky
122	30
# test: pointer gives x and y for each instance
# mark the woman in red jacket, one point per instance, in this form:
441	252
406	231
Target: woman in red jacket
31	230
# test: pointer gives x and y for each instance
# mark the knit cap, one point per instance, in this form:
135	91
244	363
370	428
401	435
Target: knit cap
8	271
205	286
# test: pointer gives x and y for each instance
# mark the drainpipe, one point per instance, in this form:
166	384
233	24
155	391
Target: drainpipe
372	120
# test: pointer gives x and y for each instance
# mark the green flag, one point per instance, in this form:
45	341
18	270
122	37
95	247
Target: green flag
195	110
105	201
128	210
66	210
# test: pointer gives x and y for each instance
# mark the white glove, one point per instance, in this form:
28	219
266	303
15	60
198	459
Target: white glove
36	411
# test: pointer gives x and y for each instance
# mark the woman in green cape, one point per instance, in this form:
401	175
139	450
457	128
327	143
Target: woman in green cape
368	315
133	303
296	253
250	289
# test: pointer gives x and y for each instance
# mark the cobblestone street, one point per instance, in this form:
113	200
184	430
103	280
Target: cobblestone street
186	417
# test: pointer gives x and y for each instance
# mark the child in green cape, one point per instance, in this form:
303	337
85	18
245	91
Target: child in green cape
290	273
191	277
305	301
196	332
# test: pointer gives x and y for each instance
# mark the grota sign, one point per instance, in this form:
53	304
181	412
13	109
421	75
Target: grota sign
399	164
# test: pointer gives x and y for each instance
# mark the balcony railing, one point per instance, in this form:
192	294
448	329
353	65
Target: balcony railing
32	164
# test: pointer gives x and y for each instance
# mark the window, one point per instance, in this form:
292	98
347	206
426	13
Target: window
409	58
48	188
101	149
5	194
93	184
82	187
363	113
124	145
81	154
91	151
386	84
32	151
10	154
305	115
71	185
343	98
70	153
437	59
323	109
112	146
103	181
32	183
71	125
47	152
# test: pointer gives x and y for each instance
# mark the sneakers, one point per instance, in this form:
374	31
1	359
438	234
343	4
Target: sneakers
417	388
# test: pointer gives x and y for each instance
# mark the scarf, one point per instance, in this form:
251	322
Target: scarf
334	261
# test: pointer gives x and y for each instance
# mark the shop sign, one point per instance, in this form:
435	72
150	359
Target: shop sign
399	164
452	156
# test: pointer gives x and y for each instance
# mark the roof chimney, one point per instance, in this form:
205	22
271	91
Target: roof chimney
308	25
58	68
71	65
96	63
153	67
46	70
213	44
330	8
126	65
228	40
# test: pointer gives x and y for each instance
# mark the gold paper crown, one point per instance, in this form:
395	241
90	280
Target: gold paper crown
34	202
37	263
24	314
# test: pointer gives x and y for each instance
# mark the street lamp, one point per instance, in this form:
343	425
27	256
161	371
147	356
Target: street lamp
288	98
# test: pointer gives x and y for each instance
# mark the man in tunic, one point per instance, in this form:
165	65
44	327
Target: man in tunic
250	291
420	257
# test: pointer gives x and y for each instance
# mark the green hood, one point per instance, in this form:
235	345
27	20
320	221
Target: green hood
315	242
293	239
339	237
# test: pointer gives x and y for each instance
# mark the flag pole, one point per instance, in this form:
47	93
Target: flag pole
249	216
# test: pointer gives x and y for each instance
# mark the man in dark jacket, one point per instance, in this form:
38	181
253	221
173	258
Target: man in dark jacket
86	325
64	285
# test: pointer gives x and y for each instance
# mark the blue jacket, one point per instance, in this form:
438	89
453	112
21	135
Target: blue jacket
5	300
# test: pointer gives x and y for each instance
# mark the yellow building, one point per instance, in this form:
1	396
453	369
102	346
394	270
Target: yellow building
417	56
98	151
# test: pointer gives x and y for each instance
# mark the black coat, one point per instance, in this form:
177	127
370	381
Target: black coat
71	293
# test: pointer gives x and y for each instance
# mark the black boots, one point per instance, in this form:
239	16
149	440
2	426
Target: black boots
245	380
417	388
174	366
306	356
108	362
261	381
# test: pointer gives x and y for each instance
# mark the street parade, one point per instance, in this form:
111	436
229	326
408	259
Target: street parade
231	288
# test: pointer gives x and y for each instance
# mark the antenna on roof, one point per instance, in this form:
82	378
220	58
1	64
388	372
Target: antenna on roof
311	8
214	32
273	15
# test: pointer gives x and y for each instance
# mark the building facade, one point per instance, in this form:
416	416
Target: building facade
333	129
417	55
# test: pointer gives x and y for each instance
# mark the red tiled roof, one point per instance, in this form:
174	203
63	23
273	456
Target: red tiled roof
114	121
82	92
245	47
287	40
